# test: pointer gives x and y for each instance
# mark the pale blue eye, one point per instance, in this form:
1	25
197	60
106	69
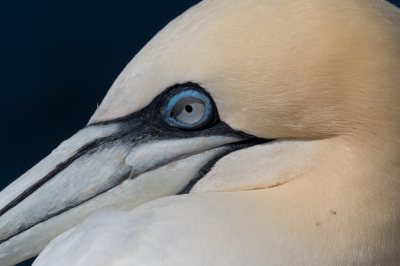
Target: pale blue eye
189	109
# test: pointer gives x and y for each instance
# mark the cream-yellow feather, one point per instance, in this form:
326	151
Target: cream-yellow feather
322	76
324	73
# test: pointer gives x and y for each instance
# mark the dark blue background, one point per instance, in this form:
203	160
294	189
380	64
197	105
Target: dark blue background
58	60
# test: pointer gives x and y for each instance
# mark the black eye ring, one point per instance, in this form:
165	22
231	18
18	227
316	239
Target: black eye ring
188	109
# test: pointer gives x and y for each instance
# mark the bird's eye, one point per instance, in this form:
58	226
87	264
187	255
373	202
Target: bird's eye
189	109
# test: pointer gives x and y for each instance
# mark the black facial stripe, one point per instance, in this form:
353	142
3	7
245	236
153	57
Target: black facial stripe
232	148
26	227
128	122
140	127
161	100
61	166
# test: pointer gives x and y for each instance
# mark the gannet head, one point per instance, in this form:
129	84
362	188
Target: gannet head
230	96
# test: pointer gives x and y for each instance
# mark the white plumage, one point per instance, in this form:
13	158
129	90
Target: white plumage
213	229
317	79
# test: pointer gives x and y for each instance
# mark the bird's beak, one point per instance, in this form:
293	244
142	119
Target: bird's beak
117	165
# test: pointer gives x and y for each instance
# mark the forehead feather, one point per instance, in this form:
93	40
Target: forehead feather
271	66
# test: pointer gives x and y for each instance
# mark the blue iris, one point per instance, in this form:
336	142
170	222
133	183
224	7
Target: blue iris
189	109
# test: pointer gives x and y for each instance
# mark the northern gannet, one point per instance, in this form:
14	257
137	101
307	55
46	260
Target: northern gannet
277	120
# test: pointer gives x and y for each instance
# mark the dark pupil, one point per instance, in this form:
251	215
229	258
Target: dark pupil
189	108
